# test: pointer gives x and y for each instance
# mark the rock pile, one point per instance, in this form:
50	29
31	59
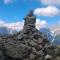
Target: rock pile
29	44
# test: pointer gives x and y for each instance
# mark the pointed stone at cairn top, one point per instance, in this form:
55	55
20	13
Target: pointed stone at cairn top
30	19
31	13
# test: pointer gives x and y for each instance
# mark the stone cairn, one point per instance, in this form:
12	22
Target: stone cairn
29	44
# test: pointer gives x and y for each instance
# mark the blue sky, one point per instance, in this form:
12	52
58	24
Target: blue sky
47	11
47	14
16	10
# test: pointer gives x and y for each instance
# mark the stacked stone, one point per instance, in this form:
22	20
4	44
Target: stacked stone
29	44
40	48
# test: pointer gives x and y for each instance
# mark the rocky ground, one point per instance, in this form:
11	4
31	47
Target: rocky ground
29	44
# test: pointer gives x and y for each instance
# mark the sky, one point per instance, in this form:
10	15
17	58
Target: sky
12	12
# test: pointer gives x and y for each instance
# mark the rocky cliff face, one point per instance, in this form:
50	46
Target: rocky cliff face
29	44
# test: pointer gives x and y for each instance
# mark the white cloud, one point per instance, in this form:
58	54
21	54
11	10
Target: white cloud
55	29
19	25
1	22
40	23
48	11
51	2
8	1
14	26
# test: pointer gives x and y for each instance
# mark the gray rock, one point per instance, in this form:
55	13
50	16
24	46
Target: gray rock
29	44
48	57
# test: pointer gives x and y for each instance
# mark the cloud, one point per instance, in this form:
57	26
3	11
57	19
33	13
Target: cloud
51	2
1	22
14	26
47	11
8	1
19	25
40	23
55	29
